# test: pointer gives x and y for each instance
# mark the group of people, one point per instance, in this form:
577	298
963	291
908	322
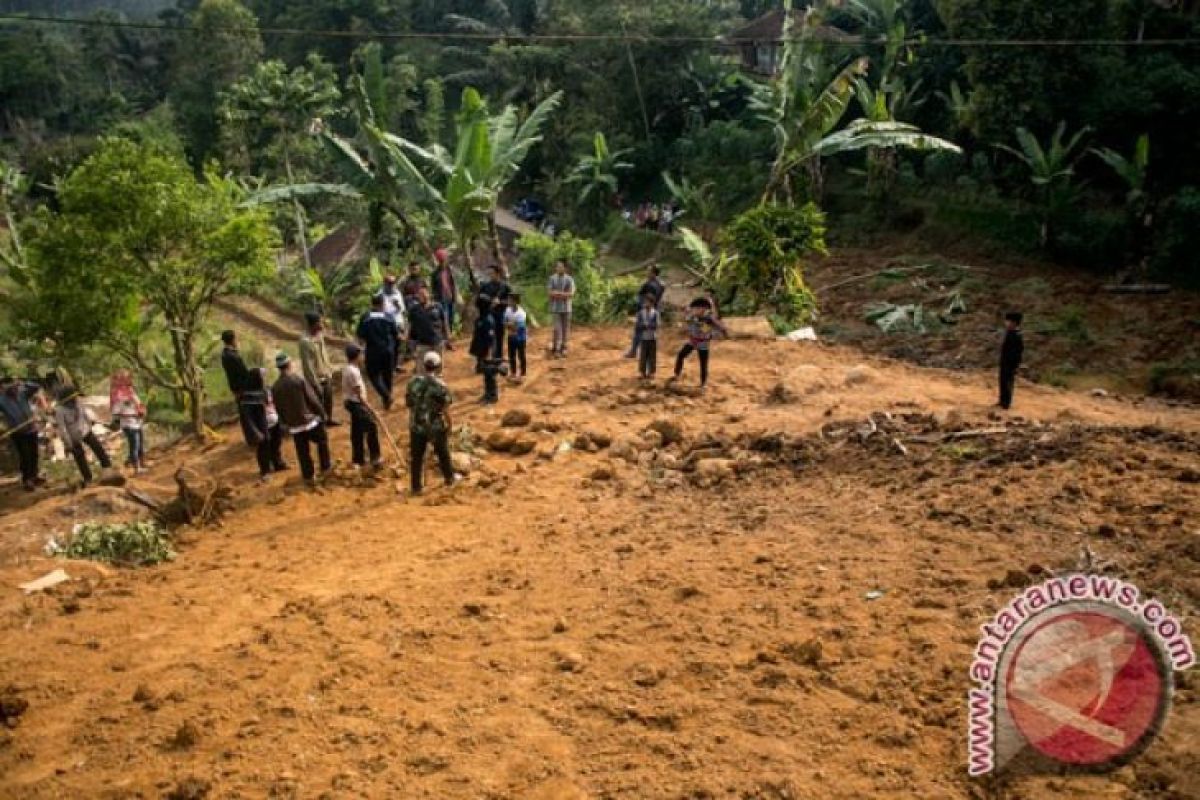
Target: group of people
653	217
25	404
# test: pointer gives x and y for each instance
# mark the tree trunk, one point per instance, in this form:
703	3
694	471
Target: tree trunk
497	248
190	376
301	229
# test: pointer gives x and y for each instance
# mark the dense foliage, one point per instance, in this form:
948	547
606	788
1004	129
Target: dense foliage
1083	150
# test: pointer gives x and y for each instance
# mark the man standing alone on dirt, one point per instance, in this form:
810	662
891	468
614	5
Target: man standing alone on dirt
562	292
300	410
428	400
314	360
1011	352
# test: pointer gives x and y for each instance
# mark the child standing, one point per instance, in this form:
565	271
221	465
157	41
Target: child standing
701	324
645	333
364	434
129	411
1011	352
517	323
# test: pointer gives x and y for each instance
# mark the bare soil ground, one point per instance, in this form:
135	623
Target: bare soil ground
633	617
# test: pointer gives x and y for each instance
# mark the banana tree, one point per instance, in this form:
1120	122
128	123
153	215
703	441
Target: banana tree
695	199
1051	170
596	174
1132	170
802	104
488	154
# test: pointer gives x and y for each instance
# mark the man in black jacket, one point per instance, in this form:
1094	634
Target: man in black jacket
493	299
1011	352
377	332
20	427
236	372
422	334
301	412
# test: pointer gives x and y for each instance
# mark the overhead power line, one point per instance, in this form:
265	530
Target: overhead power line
848	40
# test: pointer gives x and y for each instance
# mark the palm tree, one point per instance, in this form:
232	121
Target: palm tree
596	174
1051	170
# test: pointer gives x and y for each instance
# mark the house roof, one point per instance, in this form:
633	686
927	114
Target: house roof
769	28
343	245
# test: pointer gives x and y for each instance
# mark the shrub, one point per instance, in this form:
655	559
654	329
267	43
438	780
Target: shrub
771	243
130	543
1178	239
536	254
622	297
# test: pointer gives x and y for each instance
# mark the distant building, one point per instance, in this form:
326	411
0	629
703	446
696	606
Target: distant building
760	43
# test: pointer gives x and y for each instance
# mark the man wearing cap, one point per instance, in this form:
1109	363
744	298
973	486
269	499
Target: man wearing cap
428	400
445	292
300	411
364	434
314	360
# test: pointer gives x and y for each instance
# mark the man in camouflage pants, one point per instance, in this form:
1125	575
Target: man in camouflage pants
428	400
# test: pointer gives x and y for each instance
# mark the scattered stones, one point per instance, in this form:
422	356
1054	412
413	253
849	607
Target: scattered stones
584	443
522	445
601	439
714	470
515	418
189	789
568	661
602	473
12	706
624	449
670	431
185	737
645	675
501	441
686	593
806	654
1188	476
560	625
860	374
1106	531
462	463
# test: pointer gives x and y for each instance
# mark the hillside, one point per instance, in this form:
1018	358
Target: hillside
782	604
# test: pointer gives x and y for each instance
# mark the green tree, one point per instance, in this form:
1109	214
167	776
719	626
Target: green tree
139	245
271	112
596	174
220	46
771	244
1132	171
1051	171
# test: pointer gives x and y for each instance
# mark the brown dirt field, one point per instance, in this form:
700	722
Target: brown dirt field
586	626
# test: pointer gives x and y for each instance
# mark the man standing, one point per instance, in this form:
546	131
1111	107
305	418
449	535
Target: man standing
413	282
1011	352
75	422
364	434
493	296
562	291
300	411
21	427
377	332
428	400
654	288
236	371
445	291
422	334
393	307
314	360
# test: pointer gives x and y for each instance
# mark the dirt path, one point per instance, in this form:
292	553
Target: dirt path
581	626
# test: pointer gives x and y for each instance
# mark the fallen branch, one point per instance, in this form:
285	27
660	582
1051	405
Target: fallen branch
953	436
901	270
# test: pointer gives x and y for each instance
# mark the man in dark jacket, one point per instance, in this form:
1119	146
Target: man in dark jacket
377	332
16	413
301	413
423	335
1011	352
236	371
493	299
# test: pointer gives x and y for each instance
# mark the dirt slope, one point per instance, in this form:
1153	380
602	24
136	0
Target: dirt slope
590	626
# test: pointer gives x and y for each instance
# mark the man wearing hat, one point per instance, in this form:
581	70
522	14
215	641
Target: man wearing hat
364	434
301	413
314	360
428	400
